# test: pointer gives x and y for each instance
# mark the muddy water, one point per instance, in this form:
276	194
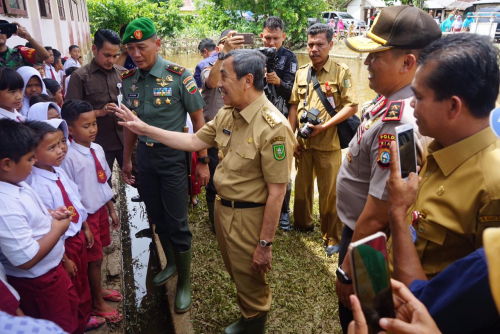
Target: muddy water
145	306
358	70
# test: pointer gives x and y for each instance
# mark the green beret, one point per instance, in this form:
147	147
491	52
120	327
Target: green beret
139	30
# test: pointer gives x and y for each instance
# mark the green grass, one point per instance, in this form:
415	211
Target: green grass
302	282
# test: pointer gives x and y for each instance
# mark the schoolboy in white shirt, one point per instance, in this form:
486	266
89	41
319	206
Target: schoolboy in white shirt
86	165
31	238
55	189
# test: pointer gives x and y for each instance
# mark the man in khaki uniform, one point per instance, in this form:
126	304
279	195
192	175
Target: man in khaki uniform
320	155
256	144
459	195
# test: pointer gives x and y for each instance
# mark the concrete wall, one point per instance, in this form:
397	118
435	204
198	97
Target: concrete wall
55	32
356	9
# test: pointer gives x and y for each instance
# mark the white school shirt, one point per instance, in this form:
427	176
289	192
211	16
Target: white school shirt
48	73
23	220
15	116
80	166
3	278
70	62
44	183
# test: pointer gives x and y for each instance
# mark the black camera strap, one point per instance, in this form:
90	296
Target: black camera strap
317	87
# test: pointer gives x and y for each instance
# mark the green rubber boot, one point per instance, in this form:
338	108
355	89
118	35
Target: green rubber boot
183	296
211	213
236	327
255	325
170	270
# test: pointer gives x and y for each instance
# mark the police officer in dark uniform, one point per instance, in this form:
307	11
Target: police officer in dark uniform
162	93
280	83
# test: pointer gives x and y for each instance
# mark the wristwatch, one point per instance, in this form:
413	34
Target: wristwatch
264	243
341	275
204	160
221	56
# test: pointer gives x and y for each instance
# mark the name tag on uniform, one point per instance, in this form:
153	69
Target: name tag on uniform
226	131
332	101
133	96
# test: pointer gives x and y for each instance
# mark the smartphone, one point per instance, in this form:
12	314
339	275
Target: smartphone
248	38
405	138
371	279
8	28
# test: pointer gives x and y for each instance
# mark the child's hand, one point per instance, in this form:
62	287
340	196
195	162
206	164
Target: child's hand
90	238
61	225
70	267
60	213
115	222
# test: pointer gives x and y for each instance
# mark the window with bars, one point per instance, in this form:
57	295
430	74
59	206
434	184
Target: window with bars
15	7
70	3
45	10
60	7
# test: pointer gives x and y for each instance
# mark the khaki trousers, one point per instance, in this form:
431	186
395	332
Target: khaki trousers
238	234
325	166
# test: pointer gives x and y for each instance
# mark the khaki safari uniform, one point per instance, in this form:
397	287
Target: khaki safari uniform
162	98
458	198
257	146
322	156
366	167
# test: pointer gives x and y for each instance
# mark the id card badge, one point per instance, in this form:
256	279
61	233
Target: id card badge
332	101
120	95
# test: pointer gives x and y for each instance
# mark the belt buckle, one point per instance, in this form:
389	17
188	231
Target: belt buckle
217	198
150	144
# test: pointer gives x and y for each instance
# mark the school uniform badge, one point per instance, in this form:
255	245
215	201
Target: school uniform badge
279	151
384	152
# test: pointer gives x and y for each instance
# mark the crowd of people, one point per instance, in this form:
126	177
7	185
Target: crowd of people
63	127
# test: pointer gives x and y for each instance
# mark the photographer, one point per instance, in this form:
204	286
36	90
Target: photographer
320	154
19	56
281	68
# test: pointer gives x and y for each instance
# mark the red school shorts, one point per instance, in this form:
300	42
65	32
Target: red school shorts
99	225
76	251
51	296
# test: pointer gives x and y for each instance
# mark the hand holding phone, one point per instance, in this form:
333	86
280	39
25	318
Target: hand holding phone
248	38
371	279
405	137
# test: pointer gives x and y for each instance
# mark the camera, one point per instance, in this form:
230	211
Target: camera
272	58
309	117
8	29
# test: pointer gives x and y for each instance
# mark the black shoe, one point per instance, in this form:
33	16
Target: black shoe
285	222
136	199
307	230
146	233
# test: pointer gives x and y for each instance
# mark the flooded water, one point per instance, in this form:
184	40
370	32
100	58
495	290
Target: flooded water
146	309
358	70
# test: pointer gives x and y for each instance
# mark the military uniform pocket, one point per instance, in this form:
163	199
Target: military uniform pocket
433	236
245	163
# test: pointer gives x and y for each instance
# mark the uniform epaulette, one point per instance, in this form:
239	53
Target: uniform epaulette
304	66
176	69
394	111
271	117
128	73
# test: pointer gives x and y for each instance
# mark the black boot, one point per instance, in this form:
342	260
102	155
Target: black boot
235	327
183	296
255	325
285	222
211	213
170	270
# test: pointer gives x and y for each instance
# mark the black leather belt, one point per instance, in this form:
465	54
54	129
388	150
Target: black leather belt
238	205
153	145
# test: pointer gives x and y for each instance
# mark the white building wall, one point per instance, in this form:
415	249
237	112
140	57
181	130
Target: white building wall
356	9
54	32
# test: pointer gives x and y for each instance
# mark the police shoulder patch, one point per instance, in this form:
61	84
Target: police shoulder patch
176	69
384	151
394	111
128	73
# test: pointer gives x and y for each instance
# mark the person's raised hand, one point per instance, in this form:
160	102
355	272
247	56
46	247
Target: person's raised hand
129	120
21	31
402	194
232	42
411	315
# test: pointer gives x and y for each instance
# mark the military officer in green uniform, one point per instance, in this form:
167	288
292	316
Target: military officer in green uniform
162	93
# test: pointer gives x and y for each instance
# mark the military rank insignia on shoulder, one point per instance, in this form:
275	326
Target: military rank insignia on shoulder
394	111
271	117
128	73
176	69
